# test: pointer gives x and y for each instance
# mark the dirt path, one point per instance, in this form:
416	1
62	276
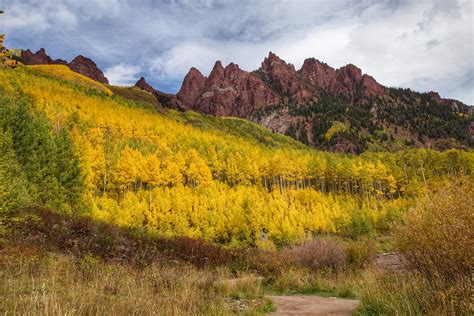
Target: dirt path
312	305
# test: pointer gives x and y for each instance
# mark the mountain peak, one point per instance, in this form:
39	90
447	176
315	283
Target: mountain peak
192	87
272	56
195	72
85	66
271	60
39	58
217	70
350	71
312	64
217	75
142	84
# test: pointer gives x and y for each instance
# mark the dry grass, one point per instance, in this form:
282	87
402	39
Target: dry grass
53	284
323	253
386	293
322	283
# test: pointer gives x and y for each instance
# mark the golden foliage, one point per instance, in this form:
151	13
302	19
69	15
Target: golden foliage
6	55
63	72
438	241
150	169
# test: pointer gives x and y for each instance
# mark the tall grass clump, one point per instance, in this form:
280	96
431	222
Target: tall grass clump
437	240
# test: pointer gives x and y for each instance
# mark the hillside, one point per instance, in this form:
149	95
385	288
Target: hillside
338	110
125	159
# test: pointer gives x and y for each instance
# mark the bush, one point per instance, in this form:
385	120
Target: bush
317	254
438	241
359	252
323	254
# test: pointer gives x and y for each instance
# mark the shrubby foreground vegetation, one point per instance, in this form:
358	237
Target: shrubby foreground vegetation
438	243
133	185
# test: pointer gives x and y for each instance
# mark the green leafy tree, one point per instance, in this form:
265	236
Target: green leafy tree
7	55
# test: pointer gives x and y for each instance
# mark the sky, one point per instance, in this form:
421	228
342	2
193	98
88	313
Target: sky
423	45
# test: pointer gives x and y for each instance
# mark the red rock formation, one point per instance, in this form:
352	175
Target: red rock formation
318	74
168	100
80	64
280	74
39	58
346	81
26	55
142	84
85	66
284	78
371	88
227	91
192	87
435	95
232	91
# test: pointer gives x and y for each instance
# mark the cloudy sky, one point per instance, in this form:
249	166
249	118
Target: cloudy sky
421	44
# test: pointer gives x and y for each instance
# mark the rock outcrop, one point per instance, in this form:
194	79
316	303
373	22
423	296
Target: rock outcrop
192	87
227	91
168	100
39	58
142	84
346	81
233	91
83	65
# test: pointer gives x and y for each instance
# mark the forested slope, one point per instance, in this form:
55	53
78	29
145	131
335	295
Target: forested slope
75	145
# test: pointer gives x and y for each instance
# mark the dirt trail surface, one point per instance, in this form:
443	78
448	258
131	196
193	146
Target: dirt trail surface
312	305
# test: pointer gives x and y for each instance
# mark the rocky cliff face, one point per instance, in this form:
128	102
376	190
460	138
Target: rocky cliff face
228	91
306	103
80	64
39	58
232	91
192	87
346	81
85	66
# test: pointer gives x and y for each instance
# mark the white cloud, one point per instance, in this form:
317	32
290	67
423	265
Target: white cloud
122	74
37	16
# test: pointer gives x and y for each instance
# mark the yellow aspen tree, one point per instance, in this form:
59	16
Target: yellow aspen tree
125	171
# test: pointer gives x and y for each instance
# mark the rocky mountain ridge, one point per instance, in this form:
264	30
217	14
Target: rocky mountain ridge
83	65
341	110
232	91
